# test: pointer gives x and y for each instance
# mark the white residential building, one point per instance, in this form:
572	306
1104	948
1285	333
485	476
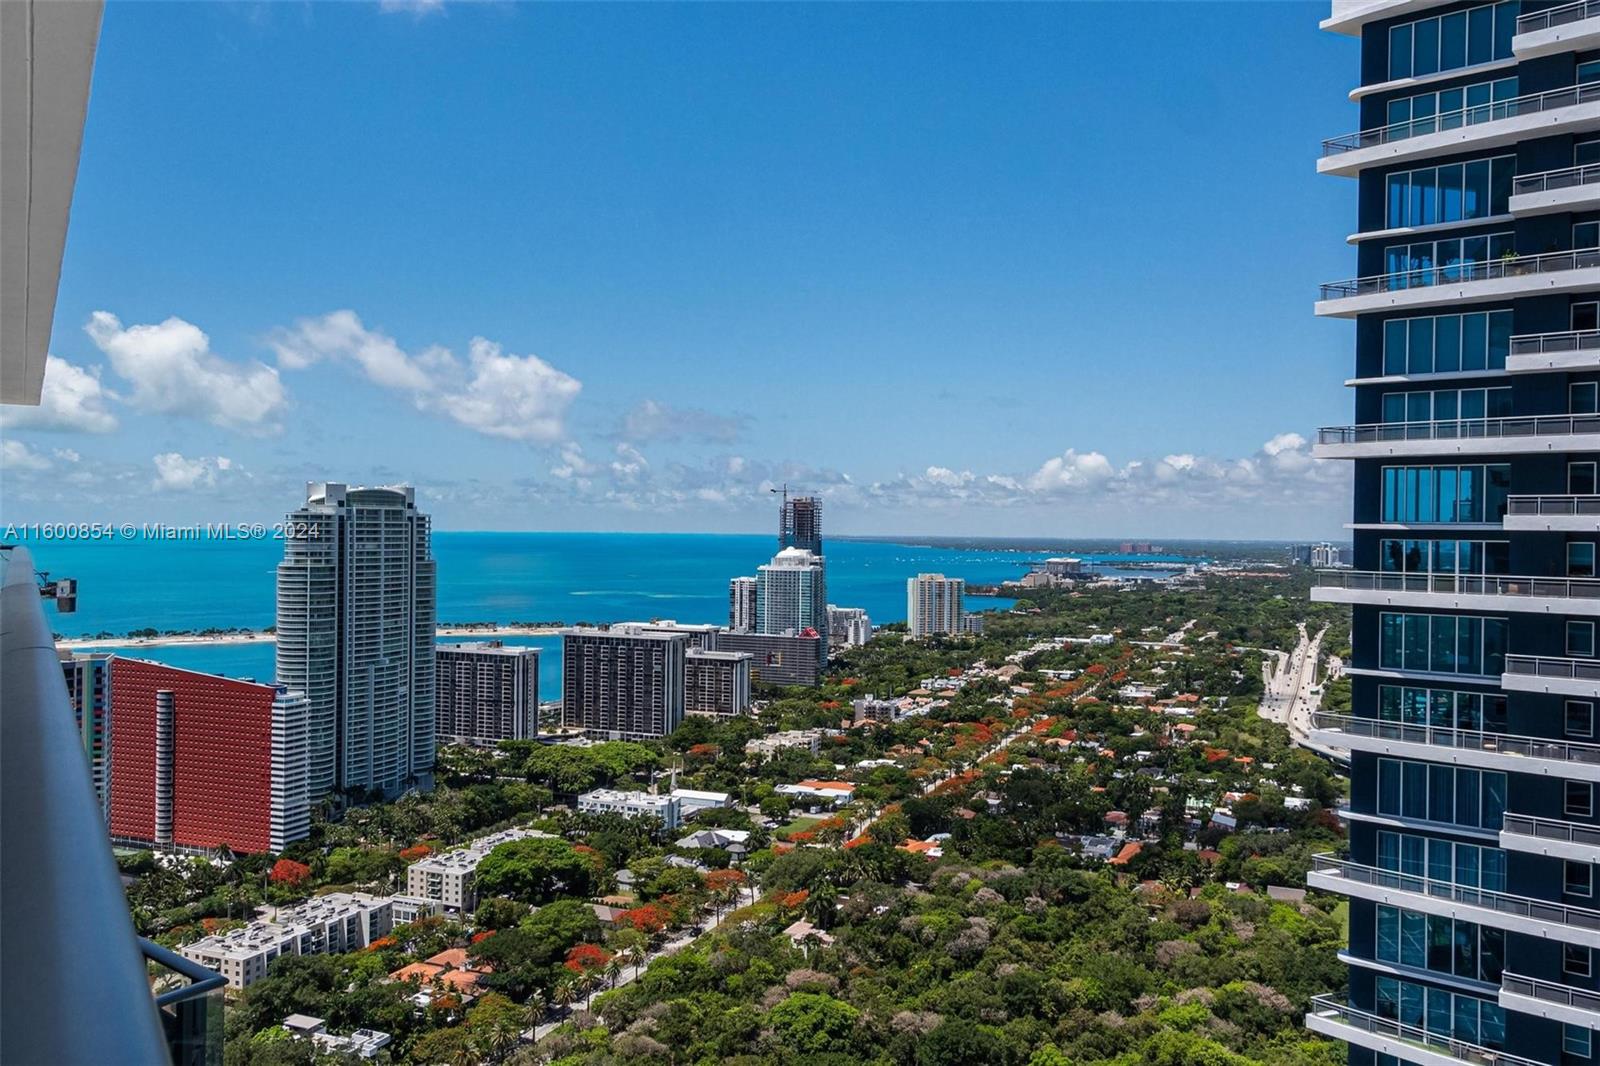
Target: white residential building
331	924
632	805
770	745
935	604
742	605
448	876
848	627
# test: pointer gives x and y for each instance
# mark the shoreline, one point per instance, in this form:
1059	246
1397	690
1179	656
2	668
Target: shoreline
485	632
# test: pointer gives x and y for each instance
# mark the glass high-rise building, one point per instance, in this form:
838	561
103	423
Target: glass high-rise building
800	524
355	626
1473	824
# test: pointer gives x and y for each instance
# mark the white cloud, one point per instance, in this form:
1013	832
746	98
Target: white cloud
515	397
656	421
174	371
67	455
73	400
176	473
1071	470
629	463
15	455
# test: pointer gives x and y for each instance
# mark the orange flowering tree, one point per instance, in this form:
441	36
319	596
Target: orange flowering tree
289	872
587	958
412	854
648	919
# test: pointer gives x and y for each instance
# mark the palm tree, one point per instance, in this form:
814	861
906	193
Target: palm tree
533	1010
586	983
614	969
466	1053
565	992
636	956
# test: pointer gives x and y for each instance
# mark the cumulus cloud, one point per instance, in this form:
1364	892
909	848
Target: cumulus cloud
73	400
657	421
1071	470
172	370
15	455
514	397
176	473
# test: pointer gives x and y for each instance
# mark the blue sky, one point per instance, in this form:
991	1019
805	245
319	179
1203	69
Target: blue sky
965	269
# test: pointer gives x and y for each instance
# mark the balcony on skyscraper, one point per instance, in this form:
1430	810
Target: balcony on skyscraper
1515	435
1541	514
1478	748
1570	27
1550	999
1450	591
1477	125
1463	280
1556	675
1552	837
1575	188
1416	892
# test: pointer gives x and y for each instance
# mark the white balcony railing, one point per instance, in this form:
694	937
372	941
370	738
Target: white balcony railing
1564	342
1552	829
1513	428
1553	506
1565	15
1510	266
1459	739
1558	588
1331	1009
1539	910
1532	104
1550	992
1556	180
1554	667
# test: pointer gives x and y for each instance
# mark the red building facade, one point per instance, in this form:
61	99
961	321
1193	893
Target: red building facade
192	758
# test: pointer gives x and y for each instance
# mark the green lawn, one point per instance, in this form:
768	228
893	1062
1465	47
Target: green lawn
799	825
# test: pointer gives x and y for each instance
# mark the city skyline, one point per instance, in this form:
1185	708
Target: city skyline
585	320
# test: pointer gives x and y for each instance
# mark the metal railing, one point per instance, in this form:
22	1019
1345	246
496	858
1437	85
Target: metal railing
1553	506
1461	739
1461	429
189	997
1508	266
1551	666
1541	910
80	991
1562	588
1475	115
1550	992
1367	1022
1564	15
1551	180
1560	343
1526	825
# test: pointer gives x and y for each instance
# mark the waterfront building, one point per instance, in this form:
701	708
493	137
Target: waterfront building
486	692
88	680
1063	566
701	635
780	658
935	604
848	627
447	878
632	805
800	524
1473	823
716	682
355	628
792	595
204	762
623	683
742	605
334	924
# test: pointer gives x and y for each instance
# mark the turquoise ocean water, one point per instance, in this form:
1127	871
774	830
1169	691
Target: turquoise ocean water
488	577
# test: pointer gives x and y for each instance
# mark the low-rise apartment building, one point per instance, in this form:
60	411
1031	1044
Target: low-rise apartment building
335	923
448	877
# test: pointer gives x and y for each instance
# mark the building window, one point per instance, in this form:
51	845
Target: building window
1586	235
1450	259
1452	796
1575	960
1446	494
1445	556
1442	643
1438	344
1579	718
1578	879
1588	72
1577	1041
1448	109
1580	639
1580	558
1449	42
1440	707
1579	799
1581	478
1458	192
1583	398
1447	405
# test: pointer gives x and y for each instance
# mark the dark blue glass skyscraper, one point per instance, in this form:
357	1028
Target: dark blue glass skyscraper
1473	822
